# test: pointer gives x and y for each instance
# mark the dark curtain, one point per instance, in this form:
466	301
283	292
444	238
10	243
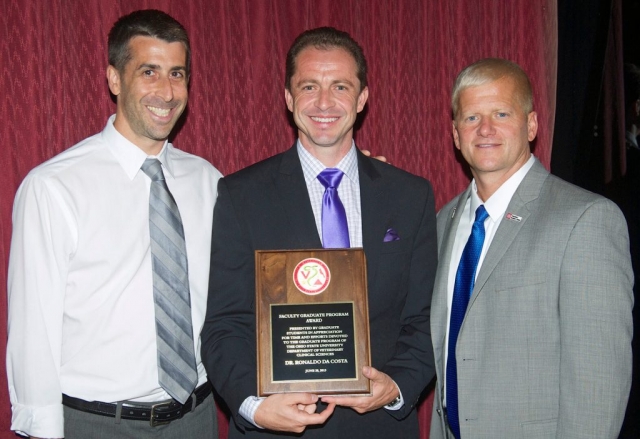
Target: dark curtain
589	144
54	91
595	38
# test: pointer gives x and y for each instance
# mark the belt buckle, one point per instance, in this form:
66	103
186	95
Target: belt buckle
153	421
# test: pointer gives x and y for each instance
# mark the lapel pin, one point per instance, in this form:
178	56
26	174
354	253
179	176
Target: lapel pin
513	217
453	212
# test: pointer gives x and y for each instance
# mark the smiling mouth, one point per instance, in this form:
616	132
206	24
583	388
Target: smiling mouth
324	119
161	112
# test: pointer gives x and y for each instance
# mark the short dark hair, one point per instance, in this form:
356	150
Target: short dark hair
148	23
326	38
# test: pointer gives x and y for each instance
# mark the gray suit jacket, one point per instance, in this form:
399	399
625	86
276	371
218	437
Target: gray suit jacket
545	347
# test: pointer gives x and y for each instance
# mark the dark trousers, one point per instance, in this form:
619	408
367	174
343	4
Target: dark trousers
199	424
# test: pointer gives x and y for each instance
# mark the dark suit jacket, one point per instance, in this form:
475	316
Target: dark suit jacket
266	206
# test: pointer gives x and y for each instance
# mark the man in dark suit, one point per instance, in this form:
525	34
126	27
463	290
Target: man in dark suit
277	204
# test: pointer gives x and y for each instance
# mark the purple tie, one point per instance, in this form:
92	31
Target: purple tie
335	231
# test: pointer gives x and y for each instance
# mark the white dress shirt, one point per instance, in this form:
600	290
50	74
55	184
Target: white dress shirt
81	309
496	207
349	193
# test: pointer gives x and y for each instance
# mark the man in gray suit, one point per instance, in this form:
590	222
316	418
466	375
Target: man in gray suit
540	345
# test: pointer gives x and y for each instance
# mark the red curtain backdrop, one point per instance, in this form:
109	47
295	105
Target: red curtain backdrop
54	91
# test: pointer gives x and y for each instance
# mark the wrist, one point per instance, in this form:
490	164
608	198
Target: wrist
394	403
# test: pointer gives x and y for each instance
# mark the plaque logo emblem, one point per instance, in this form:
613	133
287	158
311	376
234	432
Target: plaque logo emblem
311	276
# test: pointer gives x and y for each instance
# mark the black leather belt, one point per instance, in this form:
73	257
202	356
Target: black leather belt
157	413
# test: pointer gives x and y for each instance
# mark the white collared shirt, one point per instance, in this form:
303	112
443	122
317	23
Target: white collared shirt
81	309
496	207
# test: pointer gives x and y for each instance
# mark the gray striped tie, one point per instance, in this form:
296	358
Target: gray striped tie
176	360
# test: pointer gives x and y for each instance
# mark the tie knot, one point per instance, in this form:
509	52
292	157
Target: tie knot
481	214
153	168
330	177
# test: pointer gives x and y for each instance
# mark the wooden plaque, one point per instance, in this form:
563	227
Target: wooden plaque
312	321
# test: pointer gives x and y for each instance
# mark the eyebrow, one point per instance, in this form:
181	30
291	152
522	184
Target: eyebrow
335	81
157	67
344	81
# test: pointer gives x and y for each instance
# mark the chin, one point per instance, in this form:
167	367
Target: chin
160	133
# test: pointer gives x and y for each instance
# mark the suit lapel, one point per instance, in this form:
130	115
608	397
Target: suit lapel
292	188
294	196
447	228
528	191
448	237
375	211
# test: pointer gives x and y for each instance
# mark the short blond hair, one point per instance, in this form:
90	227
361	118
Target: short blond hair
488	70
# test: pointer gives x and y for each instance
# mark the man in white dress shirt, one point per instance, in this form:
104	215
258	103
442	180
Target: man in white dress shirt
81	289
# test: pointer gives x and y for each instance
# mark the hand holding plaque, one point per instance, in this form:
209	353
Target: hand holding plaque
312	322
383	392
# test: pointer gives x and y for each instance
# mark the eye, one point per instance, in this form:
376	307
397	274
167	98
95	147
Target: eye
307	87
502	114
341	87
472	118
177	74
148	72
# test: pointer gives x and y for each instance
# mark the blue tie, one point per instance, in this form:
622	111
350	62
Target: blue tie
335	230
465	280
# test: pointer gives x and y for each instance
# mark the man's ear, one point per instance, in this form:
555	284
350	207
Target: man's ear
362	99
532	125
456	137
113	79
288	99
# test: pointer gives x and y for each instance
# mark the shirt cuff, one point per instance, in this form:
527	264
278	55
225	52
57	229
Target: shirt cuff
249	407
397	403
42	422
